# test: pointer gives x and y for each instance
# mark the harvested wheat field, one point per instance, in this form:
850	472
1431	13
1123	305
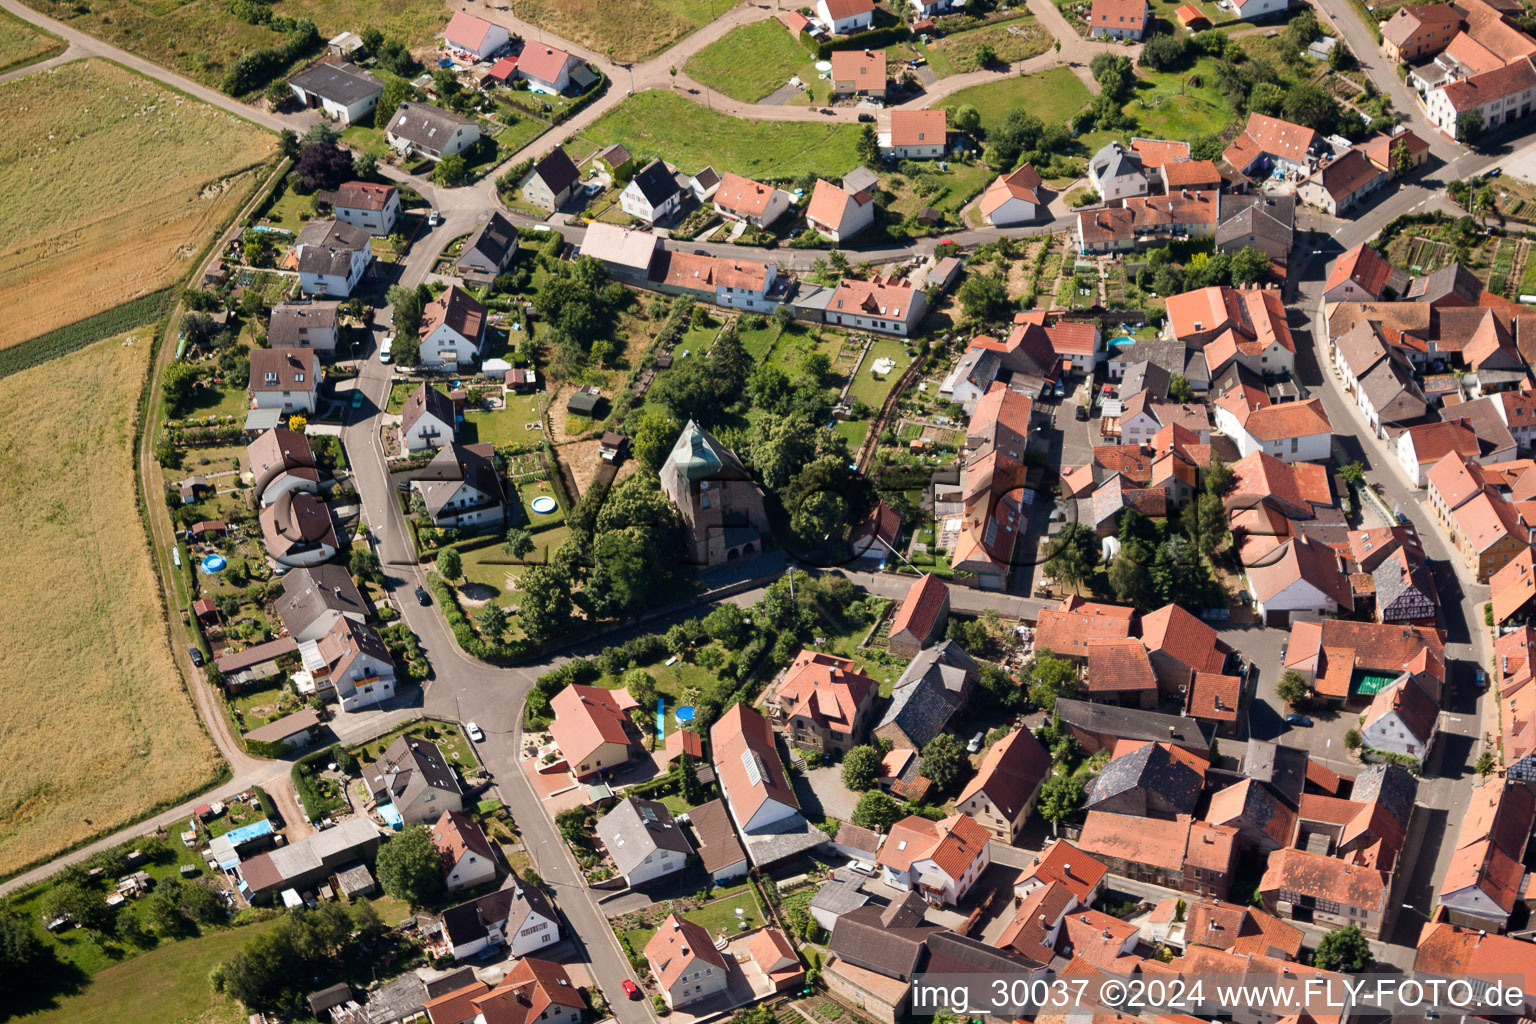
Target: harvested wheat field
621	30
109	185
96	724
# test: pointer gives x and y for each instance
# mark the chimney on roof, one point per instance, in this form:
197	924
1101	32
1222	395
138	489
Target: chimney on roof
1480	935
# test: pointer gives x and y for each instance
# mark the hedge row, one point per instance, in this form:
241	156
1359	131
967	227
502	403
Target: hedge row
874	39
252	71
470	641
146	309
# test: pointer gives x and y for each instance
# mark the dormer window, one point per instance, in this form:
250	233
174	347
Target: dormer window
271	379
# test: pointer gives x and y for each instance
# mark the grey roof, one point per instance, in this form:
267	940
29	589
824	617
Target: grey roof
513	904
860	179
426	399
1482	416
1272	217
410	765
655	182
930	691
492	245
1384	383
1114	161
1235	374
1282	769
1172	355
1149	768
839	896
1145	376
635	829
708	178
864	940
281	728
953	954
310	592
341	83
326	998
456	463
557	171
450	982
322	848
422	124
1395	788
1450	280
287	319
326	247
1392	583
1134	724
783	839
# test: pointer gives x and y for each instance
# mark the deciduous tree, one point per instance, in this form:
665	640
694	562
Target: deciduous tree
875	810
410	868
861	766
945	762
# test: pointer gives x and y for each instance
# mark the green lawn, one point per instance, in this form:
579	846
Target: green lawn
540	521
260	706
518	134
496	426
450	739
751	61
720	916
490	566
215	401
367	139
660	123
1053	96
672	680
714	917
760	342
166	984
1168	105
868	388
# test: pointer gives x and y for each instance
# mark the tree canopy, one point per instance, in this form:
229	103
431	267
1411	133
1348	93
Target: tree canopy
410	868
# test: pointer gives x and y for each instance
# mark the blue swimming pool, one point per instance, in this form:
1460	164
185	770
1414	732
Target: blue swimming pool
1124	341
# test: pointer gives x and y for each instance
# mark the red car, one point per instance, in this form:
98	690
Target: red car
631	989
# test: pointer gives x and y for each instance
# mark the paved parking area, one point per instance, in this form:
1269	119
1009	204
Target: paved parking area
822	794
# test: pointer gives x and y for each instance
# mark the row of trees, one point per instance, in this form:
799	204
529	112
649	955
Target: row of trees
277	967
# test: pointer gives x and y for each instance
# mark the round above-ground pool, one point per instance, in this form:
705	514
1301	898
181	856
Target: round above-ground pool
684	713
213	564
543	505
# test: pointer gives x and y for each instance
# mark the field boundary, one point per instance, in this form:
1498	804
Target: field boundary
147	406
59	47
61	341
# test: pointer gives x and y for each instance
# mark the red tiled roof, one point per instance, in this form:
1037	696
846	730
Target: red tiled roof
1159	152
1514	585
841	9
1118	666
1214	697
586	717
919	127
1363	265
1068	629
1126	14
1010	774
1175	632
542	62
920	609
1327	878
1066	865
864	68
